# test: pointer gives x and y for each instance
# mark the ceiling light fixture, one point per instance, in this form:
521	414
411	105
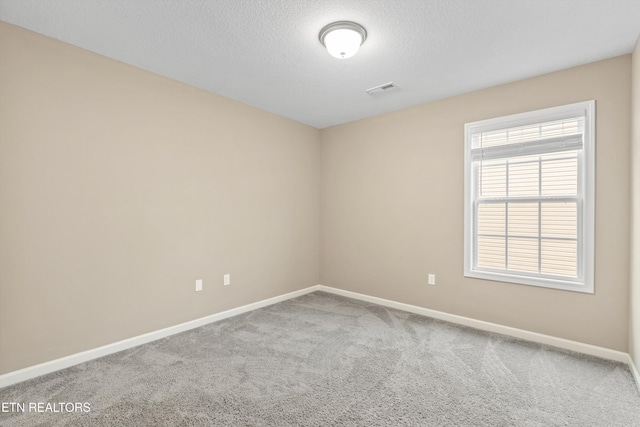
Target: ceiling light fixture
343	38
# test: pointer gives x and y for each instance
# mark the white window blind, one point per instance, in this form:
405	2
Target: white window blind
527	196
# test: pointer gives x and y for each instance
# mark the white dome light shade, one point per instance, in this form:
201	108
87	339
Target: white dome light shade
343	39
343	43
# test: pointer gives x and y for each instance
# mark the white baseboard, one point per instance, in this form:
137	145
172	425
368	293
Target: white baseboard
576	346
634	371
74	359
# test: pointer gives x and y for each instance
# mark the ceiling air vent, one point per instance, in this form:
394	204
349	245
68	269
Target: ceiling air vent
385	87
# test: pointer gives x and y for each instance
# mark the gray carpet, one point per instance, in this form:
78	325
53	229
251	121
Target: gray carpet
322	359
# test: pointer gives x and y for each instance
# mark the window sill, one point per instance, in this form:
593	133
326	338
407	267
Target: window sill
565	285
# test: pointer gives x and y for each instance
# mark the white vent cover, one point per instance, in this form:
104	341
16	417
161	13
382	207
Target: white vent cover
385	87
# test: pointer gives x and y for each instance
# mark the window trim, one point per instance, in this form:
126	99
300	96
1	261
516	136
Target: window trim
586	197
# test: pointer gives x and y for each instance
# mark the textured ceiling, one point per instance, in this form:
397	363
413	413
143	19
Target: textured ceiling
266	53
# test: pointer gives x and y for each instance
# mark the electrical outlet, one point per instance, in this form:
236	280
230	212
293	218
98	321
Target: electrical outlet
227	279
432	279
198	285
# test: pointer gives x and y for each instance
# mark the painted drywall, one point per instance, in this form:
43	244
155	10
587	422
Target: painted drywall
392	207
634	300
119	188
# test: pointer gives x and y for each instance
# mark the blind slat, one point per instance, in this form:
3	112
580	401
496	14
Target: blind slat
548	145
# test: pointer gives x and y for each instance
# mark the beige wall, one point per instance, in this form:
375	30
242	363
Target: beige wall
120	188
634	307
392	207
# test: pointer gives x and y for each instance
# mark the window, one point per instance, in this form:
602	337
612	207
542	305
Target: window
529	198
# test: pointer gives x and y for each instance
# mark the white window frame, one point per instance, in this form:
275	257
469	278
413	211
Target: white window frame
586	198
